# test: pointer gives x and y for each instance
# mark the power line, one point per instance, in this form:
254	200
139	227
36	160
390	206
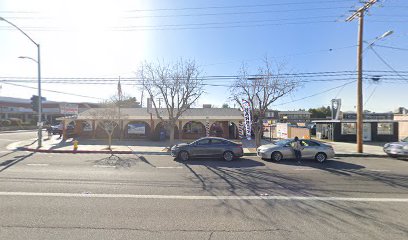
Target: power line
238	13
236	6
220	23
392	47
72	94
316	94
388	65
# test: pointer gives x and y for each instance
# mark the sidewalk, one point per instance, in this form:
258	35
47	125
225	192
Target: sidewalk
148	147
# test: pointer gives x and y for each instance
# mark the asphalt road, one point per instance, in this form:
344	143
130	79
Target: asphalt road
88	196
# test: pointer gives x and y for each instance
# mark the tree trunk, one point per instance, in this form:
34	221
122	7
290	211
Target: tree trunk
110	141
171	131
257	137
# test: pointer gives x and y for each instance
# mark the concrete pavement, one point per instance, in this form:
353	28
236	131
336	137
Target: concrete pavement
65	196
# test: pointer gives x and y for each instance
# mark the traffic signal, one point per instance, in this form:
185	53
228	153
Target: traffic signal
34	102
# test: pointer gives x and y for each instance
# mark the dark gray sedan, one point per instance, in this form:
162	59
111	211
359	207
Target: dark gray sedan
208	147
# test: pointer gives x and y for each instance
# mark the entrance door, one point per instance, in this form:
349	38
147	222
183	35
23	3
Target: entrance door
367	132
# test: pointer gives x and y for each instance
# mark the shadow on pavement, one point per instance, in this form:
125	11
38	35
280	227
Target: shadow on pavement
9	163
333	164
211	162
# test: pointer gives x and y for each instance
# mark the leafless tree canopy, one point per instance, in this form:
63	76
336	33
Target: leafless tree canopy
261	90
108	118
177	85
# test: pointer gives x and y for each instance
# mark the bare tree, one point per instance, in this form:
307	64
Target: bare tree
261	90
108	117
177	84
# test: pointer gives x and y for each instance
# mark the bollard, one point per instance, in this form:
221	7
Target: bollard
75	145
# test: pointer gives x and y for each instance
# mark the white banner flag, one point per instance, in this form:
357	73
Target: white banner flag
246	107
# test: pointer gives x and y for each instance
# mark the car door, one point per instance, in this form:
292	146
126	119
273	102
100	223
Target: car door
200	148
287	151
310	149
218	147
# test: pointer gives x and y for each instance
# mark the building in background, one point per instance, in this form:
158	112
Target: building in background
377	127
401	116
51	110
294	117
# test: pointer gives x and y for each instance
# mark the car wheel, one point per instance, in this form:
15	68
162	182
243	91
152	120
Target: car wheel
228	156
276	156
321	157
183	156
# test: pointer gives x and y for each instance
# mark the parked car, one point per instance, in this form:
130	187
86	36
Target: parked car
58	129
283	150
397	149
208	147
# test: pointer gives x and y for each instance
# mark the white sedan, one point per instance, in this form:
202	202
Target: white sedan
283	150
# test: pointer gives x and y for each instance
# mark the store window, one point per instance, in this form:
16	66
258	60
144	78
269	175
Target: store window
385	129
348	128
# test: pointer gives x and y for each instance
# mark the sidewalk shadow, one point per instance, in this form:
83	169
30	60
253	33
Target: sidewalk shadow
9	163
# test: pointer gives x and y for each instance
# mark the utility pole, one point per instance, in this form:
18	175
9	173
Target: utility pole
360	14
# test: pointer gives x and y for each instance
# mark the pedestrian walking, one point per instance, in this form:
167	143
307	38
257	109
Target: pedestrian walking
297	148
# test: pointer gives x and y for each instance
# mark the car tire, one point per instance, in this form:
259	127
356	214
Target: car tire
321	157
183	156
228	156
276	156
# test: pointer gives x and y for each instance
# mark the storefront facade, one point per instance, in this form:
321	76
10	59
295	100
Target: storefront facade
139	123
345	130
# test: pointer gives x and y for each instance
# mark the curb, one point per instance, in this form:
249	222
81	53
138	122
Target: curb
361	155
166	153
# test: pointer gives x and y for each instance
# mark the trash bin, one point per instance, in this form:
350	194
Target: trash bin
162	136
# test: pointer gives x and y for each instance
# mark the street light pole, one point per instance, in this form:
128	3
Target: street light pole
39	134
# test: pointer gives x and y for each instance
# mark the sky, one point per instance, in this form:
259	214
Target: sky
111	39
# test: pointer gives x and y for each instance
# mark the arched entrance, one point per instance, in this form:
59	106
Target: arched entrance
137	129
233	131
217	129
193	130
161	133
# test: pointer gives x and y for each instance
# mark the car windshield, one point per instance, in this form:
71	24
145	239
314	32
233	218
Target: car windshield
405	139
283	142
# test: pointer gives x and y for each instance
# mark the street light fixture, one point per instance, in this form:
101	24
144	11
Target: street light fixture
386	34
25	57
38	61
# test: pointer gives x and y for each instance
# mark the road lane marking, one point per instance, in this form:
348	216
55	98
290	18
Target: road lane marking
186	197
37	164
169	167
305	169
379	170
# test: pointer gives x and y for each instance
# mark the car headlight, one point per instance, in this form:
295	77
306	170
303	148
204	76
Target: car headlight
405	147
386	145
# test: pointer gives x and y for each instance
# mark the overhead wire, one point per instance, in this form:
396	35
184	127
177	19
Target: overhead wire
388	65
71	94
238	6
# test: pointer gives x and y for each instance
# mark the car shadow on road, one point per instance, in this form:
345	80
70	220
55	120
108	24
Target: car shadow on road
214	162
334	166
